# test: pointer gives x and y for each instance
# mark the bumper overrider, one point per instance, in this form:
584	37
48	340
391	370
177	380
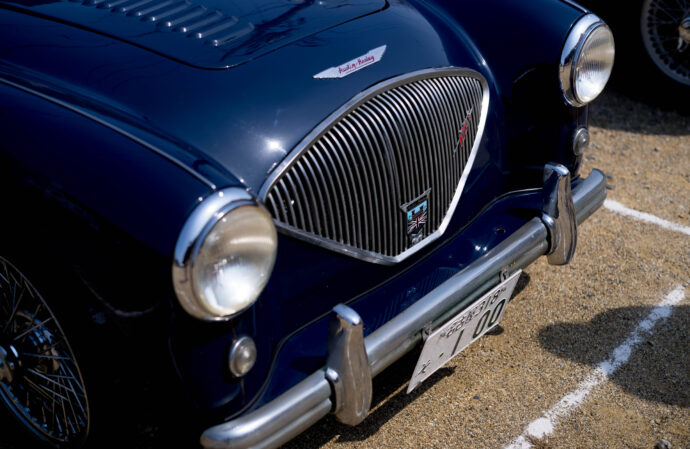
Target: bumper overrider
343	386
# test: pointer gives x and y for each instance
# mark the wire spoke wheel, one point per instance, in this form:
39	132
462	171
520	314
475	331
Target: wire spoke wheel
40	381
665	26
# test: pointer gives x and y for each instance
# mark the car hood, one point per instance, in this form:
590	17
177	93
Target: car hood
204	33
243	121
239	124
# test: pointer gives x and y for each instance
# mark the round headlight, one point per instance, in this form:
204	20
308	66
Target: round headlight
586	60
224	256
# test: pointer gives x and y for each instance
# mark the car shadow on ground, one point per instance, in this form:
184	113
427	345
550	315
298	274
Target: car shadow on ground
657	369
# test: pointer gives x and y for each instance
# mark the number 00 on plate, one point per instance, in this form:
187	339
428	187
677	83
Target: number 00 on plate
447	341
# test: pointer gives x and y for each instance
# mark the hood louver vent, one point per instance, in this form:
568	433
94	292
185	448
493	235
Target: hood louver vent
211	34
196	22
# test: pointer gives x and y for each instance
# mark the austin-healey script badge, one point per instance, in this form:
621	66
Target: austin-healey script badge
341	71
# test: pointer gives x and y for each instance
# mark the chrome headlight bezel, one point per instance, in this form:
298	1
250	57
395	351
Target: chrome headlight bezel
200	223
572	53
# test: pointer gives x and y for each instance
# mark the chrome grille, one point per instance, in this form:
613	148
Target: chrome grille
396	145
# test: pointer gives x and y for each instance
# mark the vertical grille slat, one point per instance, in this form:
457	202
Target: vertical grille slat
430	155
372	199
281	206
459	96
344	196
362	182
467	92
430	136
385	152
272	207
400	168
421	142
289	209
457	110
439	204
351	184
463	87
311	198
329	216
411	182
296	207
357	187
304	207
449	127
334	199
369	154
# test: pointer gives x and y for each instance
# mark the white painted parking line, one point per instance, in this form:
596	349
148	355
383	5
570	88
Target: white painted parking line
545	424
617	207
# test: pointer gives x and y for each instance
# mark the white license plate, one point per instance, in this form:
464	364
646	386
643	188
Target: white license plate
447	341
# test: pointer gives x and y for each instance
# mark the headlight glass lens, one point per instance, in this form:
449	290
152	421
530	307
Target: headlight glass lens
235	261
594	64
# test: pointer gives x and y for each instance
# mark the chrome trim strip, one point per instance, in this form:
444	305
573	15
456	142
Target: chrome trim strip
360	120
109	123
571	52
304	404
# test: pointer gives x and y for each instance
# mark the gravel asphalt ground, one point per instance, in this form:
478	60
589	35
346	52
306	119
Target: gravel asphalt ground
567	321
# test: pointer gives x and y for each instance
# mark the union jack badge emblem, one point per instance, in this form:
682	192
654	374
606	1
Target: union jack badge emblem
416	219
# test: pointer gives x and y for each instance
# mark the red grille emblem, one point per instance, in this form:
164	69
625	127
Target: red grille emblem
463	130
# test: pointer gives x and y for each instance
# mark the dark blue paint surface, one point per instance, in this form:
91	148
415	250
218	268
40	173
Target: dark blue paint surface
127	132
212	34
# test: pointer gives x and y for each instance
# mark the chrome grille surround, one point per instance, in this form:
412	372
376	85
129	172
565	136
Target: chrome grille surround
348	181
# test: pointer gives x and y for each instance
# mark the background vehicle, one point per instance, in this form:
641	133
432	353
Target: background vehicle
653	47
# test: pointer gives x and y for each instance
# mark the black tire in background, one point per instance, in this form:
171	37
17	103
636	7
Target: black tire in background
41	383
110	301
89	373
665	31
649	64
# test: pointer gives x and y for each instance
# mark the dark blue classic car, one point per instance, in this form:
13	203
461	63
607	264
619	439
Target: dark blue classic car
225	217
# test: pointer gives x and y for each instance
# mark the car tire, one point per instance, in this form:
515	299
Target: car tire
635	70
42	388
116	412
665	32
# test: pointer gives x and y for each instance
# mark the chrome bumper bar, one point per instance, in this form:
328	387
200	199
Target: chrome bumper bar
304	404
